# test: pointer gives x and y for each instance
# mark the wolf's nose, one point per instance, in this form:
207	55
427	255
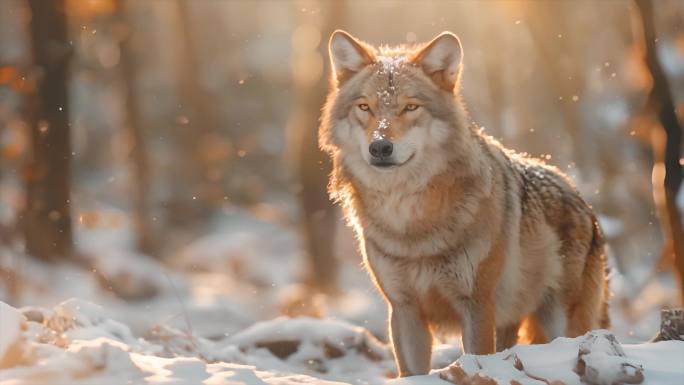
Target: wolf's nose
381	148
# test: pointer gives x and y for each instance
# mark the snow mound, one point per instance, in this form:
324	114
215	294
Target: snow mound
129	275
12	323
237	248
76	319
326	348
76	343
596	358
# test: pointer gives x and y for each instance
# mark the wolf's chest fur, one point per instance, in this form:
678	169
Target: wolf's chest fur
398	211
420	222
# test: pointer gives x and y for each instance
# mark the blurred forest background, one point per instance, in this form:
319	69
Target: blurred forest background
164	127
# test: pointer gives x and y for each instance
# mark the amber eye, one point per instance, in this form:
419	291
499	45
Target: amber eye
364	107
411	107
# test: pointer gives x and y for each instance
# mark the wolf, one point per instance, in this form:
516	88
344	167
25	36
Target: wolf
457	232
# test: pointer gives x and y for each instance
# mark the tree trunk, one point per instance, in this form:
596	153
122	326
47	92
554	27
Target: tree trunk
311	165
189	198
144	229
545	18
661	101
48	217
671	325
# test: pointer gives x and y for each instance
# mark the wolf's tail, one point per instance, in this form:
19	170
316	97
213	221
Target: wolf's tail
591	309
598	251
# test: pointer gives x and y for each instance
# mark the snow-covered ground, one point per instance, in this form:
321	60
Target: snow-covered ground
213	315
75	343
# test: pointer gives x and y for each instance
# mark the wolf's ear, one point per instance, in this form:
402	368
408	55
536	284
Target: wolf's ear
348	55
441	60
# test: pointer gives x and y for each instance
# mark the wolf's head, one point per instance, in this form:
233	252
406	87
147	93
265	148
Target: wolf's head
394	114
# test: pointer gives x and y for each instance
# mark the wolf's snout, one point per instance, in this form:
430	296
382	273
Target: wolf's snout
381	148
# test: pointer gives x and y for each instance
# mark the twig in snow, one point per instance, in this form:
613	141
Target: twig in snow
186	317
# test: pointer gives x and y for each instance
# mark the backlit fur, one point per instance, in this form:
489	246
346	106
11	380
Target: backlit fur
461	234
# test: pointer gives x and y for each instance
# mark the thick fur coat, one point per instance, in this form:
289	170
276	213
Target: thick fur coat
457	232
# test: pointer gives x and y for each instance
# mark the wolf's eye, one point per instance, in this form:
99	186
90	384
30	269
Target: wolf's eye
411	107
364	107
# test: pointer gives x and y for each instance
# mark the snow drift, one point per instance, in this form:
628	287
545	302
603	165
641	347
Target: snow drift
75	343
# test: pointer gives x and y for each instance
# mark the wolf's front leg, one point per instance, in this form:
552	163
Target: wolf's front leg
411	339
479	320
479	328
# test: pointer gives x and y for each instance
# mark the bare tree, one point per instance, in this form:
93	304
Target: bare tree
311	165
188	203
48	214
144	229
661	102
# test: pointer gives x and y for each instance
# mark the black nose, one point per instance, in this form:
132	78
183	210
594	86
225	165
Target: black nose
381	148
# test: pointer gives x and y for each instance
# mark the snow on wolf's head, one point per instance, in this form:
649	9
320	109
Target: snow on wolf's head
394	113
